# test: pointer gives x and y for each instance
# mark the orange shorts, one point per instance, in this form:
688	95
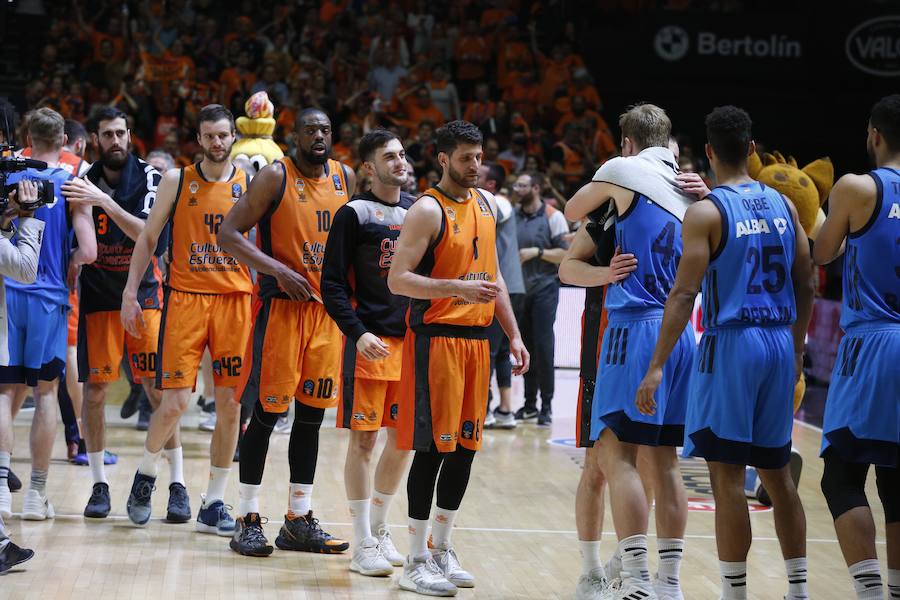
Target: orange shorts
370	389
102	340
73	319
294	353
190	323
444	387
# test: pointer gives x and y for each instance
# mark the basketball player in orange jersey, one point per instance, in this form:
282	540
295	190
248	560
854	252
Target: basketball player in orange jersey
207	303
295	349
446	261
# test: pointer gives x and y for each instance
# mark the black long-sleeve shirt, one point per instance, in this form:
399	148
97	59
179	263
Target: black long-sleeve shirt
358	255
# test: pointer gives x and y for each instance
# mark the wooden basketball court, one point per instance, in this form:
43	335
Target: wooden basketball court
515	531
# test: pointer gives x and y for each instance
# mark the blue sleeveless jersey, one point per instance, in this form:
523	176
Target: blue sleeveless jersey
653	235
872	259
53	262
748	282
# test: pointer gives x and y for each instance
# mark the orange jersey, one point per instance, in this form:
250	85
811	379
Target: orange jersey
197	263
295	230
465	249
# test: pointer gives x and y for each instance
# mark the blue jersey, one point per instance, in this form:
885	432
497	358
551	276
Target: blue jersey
53	262
748	282
872	259
653	235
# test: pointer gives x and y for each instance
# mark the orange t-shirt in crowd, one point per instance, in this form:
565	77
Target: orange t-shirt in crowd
523	98
231	80
331	9
589	93
512	58
344	154
603	146
416	114
471	54
118	44
589	117
478	112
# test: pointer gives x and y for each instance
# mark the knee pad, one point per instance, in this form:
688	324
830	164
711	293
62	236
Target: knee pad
887	480
844	485
308	415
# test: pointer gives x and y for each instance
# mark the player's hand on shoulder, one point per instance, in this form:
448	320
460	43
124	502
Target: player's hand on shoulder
692	183
621	266
293	284
81	192
478	292
371	347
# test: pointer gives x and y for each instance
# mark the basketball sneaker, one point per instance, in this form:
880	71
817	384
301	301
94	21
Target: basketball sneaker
81	459
448	562
14	483
209	424
12	555
591	586
504	420
283	424
545	419
630	589
368	559
665	591
5	503
425	577
179	508
98	505
215	519
613	568
138	506
36	507
248	538
388	549
527	413
302	533
489	419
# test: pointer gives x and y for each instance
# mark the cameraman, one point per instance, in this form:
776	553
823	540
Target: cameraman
38	312
19	261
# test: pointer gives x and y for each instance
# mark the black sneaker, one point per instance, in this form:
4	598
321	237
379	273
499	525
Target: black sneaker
14	483
545	419
179	509
130	406
304	534
12	555
138	506
248	538
526	413
98	506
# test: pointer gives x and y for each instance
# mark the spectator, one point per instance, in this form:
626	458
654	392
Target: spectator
271	84
423	109
344	150
569	159
482	109
587	120
443	93
513	59
423	153
161	160
420	22
471	55
581	86
523	95
384	78
513	158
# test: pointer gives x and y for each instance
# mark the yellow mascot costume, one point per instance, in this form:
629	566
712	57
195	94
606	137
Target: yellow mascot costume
255	143
807	189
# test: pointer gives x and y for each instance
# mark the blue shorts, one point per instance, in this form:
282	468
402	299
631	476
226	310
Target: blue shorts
862	413
37	338
741	407
624	357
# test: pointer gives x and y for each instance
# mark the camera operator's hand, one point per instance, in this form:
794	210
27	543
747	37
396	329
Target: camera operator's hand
81	192
26	193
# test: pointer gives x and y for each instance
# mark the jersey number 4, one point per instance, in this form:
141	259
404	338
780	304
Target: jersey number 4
213	221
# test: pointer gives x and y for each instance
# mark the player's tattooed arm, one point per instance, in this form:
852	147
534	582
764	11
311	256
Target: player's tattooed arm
700	220
850	206
260	198
593	195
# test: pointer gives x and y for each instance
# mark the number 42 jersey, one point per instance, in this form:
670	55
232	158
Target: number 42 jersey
748	282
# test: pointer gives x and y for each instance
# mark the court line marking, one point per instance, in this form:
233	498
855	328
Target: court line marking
509	530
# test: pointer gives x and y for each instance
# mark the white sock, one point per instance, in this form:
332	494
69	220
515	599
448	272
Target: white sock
614	566
590	557
635	563
359	513
796	574
379	511
442	527
176	465
300	500
734	580
248	499
215	489
98	469
39	482
671	550
894	584
418	538
147	465
3	536
5	460
866	576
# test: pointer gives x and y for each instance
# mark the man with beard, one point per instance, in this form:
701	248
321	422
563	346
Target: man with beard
357	258
36	315
207	303
291	202
446	261
120	188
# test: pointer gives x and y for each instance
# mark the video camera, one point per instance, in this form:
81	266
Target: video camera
16	164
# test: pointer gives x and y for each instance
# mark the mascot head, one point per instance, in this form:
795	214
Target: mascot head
256	147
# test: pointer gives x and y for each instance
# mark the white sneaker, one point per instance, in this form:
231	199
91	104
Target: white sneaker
36	507
613	568
665	591
447	560
209	424
368	560
283	424
591	586
5	503
388	549
630	589
489	420
425	577
504	421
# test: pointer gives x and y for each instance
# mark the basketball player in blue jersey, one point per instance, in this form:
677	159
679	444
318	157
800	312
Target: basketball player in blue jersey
649	209
862	414
37	315
746	246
